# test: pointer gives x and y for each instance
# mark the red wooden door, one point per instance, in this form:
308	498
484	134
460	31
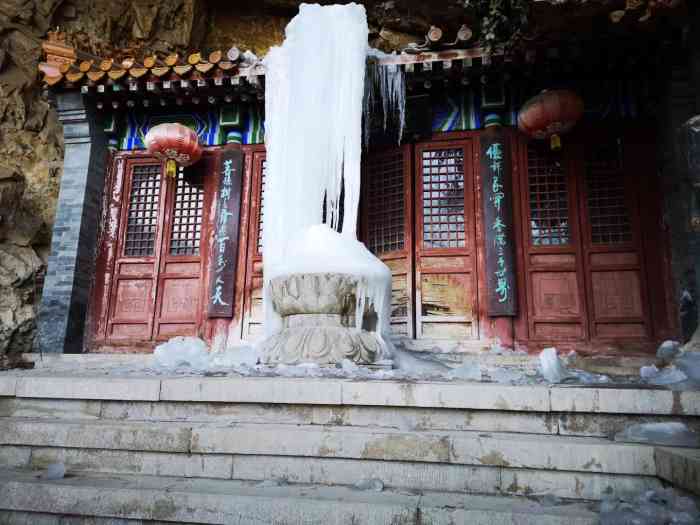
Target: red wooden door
613	259
583	258
156	287
387	220
445	257
553	263
253	314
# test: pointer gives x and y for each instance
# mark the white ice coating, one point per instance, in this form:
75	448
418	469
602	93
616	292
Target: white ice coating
313	109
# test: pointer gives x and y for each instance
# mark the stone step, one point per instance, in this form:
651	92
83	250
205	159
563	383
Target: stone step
497	449
224	501
610	399
332	472
681	467
398	418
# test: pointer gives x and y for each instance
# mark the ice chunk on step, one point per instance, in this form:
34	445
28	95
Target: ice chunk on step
663	376
240	356
586	378
667	351
468	371
507	375
181	351
551	367
374	484
652	507
55	471
274	482
689	364
415	364
349	367
673	434
550	500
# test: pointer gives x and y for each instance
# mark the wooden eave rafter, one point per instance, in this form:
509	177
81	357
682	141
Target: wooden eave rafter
66	67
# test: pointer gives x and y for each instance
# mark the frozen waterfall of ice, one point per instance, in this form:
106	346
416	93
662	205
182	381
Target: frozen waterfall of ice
313	135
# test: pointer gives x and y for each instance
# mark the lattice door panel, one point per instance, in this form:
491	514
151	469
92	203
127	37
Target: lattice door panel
442	188
261	200
446	289
608	210
548	197
386	226
142	218
188	209
385	202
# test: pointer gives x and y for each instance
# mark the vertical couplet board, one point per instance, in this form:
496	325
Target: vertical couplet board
222	261
497	207
446	290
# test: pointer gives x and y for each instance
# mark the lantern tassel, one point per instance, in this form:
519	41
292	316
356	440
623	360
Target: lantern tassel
555	142
170	168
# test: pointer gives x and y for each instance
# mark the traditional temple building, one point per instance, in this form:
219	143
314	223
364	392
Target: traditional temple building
589	260
533	196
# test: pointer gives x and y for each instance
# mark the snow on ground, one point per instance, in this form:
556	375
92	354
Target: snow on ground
653	507
673	434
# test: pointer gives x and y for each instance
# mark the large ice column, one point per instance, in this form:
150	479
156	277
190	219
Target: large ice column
313	135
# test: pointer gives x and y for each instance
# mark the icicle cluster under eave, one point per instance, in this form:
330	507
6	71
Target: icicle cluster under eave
384	83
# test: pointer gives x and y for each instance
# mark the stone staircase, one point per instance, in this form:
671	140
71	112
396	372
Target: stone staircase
281	450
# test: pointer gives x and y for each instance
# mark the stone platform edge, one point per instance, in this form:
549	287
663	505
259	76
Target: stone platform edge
338	392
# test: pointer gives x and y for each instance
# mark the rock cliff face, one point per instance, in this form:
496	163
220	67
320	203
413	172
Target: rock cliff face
31	143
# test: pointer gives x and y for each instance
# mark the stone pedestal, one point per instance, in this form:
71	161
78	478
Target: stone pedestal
318	320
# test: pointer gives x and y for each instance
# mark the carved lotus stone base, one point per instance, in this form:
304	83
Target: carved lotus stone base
318	319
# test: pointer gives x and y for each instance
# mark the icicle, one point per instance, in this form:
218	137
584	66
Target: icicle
386	84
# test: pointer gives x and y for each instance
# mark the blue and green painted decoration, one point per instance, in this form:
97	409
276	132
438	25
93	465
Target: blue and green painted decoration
452	110
466	108
237	123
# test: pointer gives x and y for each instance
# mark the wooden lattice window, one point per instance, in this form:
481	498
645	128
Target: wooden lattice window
142	217
385	202
187	214
443	198
605	195
549	197
262	205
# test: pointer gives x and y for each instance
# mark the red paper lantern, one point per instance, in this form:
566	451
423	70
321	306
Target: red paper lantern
175	143
550	114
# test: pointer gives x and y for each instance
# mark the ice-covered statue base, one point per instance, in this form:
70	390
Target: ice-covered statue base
318	312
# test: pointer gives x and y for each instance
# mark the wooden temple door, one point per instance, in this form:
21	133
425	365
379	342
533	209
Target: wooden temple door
157	287
387	220
553	262
445	247
583	257
611	238
253	312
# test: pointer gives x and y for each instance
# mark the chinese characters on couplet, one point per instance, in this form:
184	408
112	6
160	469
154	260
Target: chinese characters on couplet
225	253
495	184
495	156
